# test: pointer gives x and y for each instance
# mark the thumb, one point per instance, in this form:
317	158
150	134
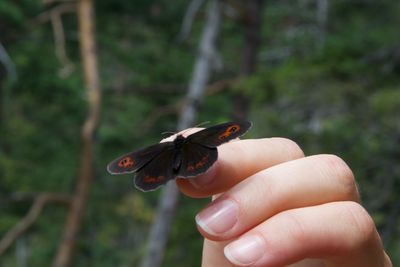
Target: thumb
213	254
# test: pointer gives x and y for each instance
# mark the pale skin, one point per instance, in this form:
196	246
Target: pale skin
273	207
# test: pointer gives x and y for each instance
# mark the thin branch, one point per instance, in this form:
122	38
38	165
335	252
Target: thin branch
31	217
322	19
48	2
59	41
54	16
153	117
164	89
186	27
19	197
174	108
60	9
172	89
220	86
8	64
236	10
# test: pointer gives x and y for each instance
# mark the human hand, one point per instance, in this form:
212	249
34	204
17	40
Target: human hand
274	207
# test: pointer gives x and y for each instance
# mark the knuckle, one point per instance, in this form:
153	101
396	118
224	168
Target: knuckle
361	222
291	147
295	227
337	168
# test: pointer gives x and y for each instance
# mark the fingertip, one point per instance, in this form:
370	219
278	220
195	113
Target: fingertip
206	179
184	133
199	186
186	187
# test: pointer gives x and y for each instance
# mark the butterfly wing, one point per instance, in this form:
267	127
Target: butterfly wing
219	134
196	159
133	161
157	172
157	164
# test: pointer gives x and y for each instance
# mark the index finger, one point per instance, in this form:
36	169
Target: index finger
238	160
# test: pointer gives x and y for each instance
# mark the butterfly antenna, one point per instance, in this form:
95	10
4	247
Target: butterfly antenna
202	123
198	125
170	133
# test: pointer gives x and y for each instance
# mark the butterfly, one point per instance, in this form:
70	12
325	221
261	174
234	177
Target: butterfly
183	157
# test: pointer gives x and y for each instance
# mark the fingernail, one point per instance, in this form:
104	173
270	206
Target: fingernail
245	251
218	218
204	179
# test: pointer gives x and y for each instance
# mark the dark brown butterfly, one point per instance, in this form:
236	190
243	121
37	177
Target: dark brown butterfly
184	157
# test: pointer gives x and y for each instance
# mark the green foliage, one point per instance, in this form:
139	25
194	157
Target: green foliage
338	94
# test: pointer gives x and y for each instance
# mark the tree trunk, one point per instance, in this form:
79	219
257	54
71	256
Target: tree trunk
169	199
8	65
7	70
252	39
21	252
92	87
322	19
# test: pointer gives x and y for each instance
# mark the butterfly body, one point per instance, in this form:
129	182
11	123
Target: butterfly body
178	144
183	157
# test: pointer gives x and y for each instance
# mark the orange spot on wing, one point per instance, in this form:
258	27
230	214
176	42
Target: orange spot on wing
126	162
229	131
199	164
153	179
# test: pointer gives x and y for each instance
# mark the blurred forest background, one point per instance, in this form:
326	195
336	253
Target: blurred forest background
323	73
